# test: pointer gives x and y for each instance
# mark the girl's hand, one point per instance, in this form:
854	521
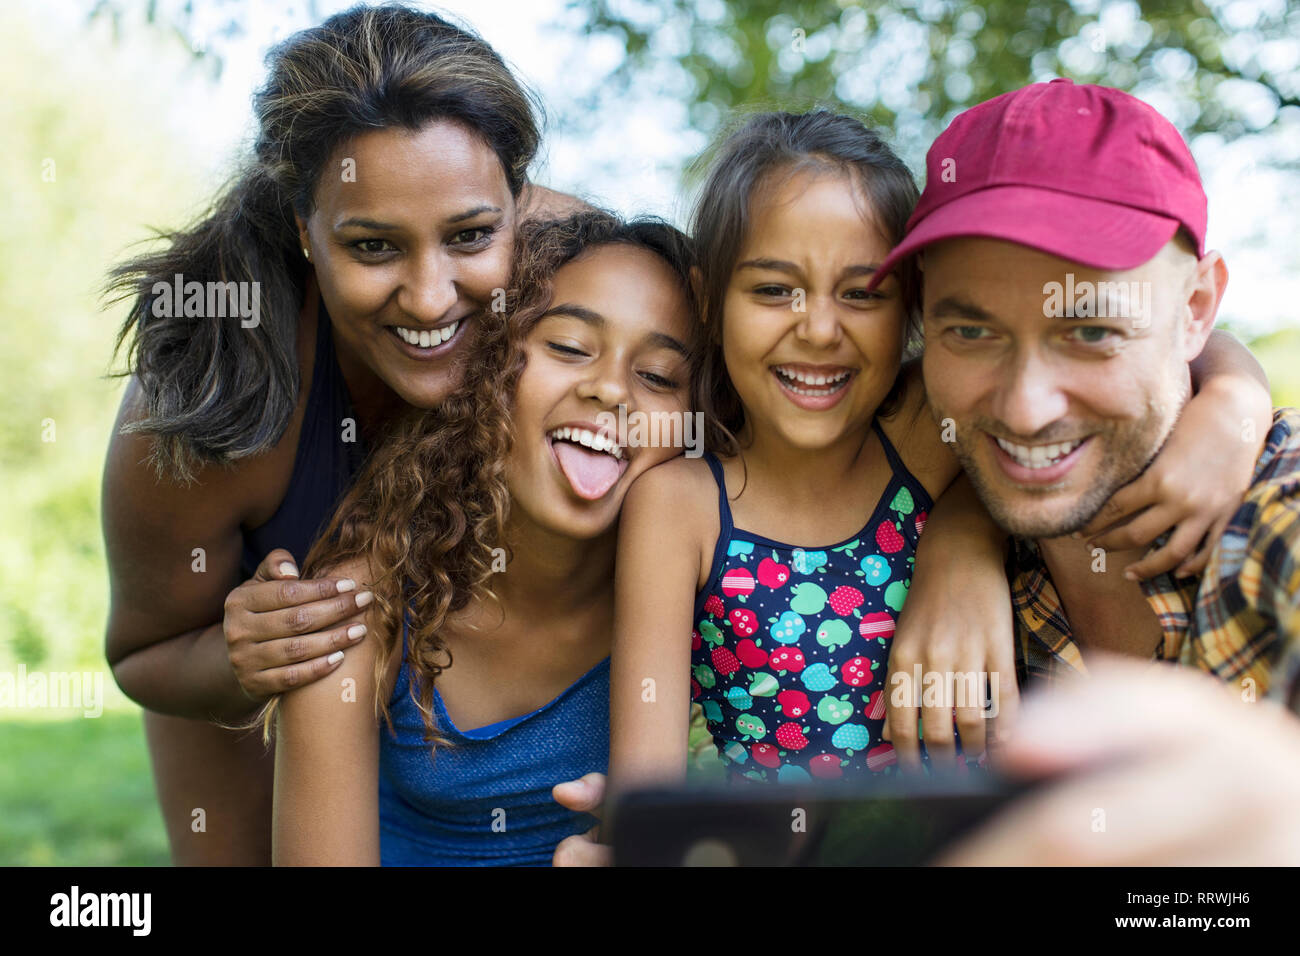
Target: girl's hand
1194	485
957	629
280	631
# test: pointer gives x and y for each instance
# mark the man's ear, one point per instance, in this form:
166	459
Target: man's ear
1204	294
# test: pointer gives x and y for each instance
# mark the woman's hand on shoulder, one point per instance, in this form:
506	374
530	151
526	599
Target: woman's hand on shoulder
283	632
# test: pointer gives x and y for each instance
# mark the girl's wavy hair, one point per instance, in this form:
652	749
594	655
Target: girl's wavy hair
216	392
430	507
765	144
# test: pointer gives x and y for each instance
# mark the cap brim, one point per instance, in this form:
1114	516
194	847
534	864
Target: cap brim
1091	232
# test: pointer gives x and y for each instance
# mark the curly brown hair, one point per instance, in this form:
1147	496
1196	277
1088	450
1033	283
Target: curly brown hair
429	509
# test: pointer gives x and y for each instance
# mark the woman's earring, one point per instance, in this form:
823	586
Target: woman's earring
305	254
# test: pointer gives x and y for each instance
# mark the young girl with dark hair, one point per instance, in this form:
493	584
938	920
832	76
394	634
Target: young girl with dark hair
486	530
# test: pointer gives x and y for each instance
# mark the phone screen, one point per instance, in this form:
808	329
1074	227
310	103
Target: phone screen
896	822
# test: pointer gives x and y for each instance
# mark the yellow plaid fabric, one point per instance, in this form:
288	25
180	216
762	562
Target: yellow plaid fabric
1240	620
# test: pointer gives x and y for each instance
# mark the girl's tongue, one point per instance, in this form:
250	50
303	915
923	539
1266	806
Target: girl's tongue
591	473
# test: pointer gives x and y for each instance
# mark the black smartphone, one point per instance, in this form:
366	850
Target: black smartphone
892	821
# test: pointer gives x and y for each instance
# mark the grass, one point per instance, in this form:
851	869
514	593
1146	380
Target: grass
78	792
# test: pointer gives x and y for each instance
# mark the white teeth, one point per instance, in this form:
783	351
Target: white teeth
823	384
588	439
809	379
1037	456
427	338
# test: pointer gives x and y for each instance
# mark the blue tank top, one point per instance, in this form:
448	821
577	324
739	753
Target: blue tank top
791	645
323	467
486	800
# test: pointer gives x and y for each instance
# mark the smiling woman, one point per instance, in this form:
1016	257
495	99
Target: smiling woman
373	222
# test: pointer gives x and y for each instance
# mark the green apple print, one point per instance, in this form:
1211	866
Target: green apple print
849	548
834	634
704	674
750	727
709	631
903	502
834	710
808	598
896	594
763	685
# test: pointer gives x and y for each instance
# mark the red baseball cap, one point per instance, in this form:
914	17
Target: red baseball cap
1087	173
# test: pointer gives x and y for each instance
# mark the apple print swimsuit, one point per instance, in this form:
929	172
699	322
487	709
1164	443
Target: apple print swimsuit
791	645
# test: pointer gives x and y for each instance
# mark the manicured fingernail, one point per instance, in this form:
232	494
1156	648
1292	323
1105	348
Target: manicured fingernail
1130	576
1076	534
357	632
347	584
334	658
288	569
364	598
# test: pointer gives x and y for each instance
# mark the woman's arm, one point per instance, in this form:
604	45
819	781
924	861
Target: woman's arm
177	605
326	805
657	572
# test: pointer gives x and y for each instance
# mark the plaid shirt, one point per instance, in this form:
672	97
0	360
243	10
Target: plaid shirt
1240	620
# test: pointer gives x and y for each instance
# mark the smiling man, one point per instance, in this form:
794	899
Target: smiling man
1066	291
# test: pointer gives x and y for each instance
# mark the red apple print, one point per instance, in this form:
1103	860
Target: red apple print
740	581
888	539
695	689
771	574
844	600
826	767
878	758
743	622
713	605
919	521
877	624
790	736
725	662
875	709
857	672
750	654
766	755
696	640
794	703
787	659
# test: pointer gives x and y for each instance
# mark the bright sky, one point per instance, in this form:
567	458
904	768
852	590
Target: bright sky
631	164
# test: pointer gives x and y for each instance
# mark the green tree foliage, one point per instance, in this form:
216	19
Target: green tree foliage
910	65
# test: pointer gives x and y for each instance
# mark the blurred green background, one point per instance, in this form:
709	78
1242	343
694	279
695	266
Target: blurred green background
100	103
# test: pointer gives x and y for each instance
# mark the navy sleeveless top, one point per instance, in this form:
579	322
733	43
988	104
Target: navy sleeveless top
323	468
486	800
791	645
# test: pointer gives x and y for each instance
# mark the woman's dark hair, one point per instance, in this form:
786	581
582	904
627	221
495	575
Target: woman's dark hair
764	144
430	505
216	392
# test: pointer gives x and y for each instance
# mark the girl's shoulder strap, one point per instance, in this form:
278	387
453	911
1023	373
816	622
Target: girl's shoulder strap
895	460
724	508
